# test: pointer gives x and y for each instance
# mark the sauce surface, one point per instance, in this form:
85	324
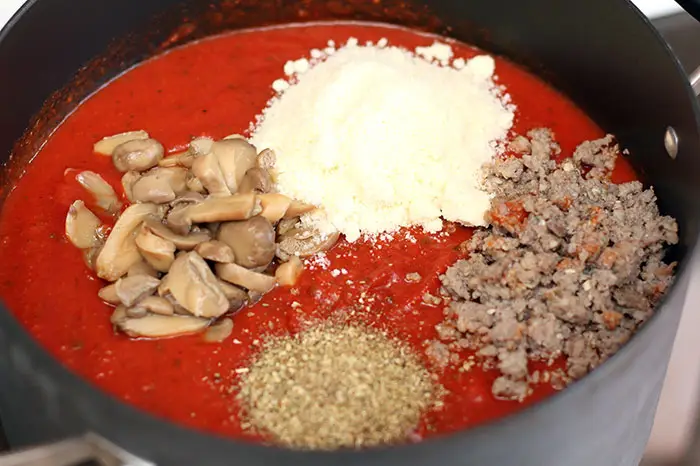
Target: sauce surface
215	88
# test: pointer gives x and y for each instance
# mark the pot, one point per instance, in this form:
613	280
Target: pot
602	53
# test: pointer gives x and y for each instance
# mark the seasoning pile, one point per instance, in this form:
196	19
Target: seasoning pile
572	264
335	386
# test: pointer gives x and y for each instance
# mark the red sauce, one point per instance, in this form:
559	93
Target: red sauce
215	88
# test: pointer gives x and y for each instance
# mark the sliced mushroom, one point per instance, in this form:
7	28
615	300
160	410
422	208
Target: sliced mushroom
274	206
303	242
287	224
157	326
107	145
219	331
254	281
109	294
252	241
298	208
136	312
138	155
267	159
201	146
119	315
288	274
221	209
104	194
82	226
158	252
236	157
235	136
195	184
128	181
120	252
256	180
131	289
142	268
207	170
156	305
187	198
194	286
181	159
90	255
216	251
235	295
182	242
160	185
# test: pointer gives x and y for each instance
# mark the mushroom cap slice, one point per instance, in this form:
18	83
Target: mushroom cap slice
194	286
106	146
128	181
156	305
254	281
109	294
298	208
104	194
207	170
142	268
216	251
131	289
223	209
252	241
274	206
158	252
236	157
267	159
183	242
82	226
181	159
158	326
120	252
237	297
288	274
201	146
159	185
256	180
137	155
219	331
304	242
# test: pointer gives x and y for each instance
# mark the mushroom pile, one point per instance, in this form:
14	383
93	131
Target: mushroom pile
204	235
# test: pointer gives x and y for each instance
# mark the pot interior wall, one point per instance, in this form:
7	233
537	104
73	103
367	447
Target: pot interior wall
598	52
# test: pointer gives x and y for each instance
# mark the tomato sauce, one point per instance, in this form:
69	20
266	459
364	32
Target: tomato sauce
216	87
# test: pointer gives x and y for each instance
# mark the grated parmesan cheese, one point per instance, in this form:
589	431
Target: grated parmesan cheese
383	138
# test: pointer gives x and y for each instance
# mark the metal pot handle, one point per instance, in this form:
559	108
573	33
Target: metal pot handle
71	452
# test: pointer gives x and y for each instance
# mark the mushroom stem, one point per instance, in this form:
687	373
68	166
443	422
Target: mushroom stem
223	209
104	194
120	252
254	281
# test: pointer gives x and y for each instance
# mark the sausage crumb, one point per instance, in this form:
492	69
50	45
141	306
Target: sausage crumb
571	266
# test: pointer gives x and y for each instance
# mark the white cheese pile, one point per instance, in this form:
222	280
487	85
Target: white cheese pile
382	138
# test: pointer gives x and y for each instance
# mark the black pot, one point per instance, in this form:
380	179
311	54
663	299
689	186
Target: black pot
602	53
